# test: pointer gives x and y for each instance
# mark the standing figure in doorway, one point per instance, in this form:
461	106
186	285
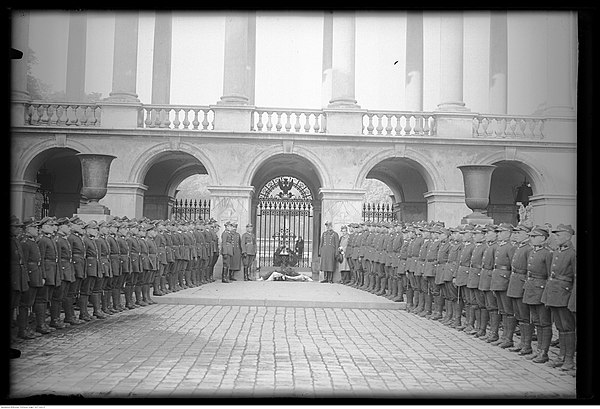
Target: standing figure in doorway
327	250
248	251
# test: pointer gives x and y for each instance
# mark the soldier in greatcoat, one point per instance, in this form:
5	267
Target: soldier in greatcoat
236	259
539	267
144	277
440	266
462	275
105	269
117	280
428	279
25	269
330	242
152	261
78	251
474	299
160	279
49	265
557	294
227	238
485	279
248	243
450	291
65	268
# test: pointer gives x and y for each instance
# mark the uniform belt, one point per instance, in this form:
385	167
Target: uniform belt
561	279
475	266
37	263
435	259
507	268
531	275
465	265
403	258
519	271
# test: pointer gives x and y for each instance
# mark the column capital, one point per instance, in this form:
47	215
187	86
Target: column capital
231	191
342	194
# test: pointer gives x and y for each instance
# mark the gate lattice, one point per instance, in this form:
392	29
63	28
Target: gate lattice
378	212
191	210
284	223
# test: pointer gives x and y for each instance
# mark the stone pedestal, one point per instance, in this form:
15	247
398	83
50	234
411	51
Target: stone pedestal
125	199
119	115
22	199
93	216
232	118
94	175
344	122
446	206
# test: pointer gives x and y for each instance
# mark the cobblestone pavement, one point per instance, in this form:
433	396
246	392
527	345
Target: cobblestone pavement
206	351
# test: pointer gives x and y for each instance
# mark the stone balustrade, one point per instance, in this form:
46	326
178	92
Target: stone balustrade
393	123
176	117
288	120
505	126
39	113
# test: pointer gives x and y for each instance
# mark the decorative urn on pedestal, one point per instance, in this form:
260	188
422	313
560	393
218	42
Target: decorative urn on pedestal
477	180
94	171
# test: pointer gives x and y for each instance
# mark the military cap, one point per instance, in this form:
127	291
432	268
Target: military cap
48	220
234	223
563	227
328	223
62	220
504	227
539	231
92	224
227	223
103	223
76	220
249	225
29	223
468	228
149	227
444	230
522	227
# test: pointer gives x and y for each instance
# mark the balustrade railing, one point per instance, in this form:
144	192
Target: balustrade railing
288	120
38	113
504	126
399	123
176	117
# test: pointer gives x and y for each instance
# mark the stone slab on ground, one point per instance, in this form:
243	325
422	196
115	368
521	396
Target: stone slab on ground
279	294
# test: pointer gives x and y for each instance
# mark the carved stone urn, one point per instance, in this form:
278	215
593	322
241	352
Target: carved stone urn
94	171
477	180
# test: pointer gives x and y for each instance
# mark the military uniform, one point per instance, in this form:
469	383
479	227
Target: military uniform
429	288
117	279
440	265
328	247
227	238
419	268
557	295
236	259
67	276
462	276
25	269
103	282
248	243
450	290
78	251
414	280
474	297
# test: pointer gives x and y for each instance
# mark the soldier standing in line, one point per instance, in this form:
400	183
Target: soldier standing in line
330	242
78	251
379	256
190	253
236	260
395	282
201	255
152	260
116	282
124	251
65	263
104	269
429	266
388	258
226	251
515	288
146	266
415	266
410	268
367	256
168	284
91	273
401	272
539	267
462	275
49	254
440	266
209	244
475	298
419	267
449	273
135	254
499	284
358	254
350	278
491	304
25	268
174	282
558	292
248	242
343	266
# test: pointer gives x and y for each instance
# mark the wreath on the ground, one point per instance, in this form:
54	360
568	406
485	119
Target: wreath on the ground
288	258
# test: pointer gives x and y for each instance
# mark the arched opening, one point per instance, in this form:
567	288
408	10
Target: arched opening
407	184
511	184
165	172
57	171
287	211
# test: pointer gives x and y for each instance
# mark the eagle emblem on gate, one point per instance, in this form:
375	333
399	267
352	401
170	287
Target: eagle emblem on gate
285	185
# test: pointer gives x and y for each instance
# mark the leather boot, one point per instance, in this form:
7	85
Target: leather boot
449	312
559	360
116	300
392	288
22	321
494	325
97	308
501	339
163	285
399	291
70	319
509	331
128	297
458	316
225	275
546	337
138	296
188	279
40	318
104	303
83	308
156	287
526	332
483	323
380	290
476	318
538	339
55	307
146	290
427	306
570	346
469	318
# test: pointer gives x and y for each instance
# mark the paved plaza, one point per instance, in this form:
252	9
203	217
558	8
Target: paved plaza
192	350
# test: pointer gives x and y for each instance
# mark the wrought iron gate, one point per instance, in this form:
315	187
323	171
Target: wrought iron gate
378	212
284	223
192	210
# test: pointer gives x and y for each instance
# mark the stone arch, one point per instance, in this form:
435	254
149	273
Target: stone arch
536	173
144	162
23	165
428	171
314	160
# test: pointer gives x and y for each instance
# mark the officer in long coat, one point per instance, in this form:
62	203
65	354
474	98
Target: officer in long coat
439	267
462	275
25	268
226	251
557	294
450	290
330	242
236	259
117	279
78	252
67	276
248	243
539	267
49	264
475	301
485	279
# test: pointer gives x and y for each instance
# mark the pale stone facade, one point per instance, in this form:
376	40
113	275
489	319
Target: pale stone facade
415	153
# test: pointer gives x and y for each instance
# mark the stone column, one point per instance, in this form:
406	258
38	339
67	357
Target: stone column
340	206
125	58
22	198
554	209
451	47
75	86
125	199
19	41
327	58
343	61
446	206
477	180
161	58
498	63
414	61
561	48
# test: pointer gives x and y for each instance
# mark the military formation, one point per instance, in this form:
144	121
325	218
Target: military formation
60	266
488	281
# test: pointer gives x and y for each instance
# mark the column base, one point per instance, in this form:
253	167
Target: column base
452	106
